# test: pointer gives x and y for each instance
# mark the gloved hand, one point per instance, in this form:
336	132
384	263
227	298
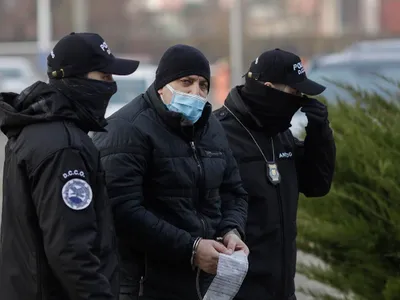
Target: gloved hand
316	112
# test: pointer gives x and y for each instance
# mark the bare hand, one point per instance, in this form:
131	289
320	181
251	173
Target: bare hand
235	243
207	255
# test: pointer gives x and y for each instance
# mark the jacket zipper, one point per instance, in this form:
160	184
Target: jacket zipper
282	237
200	186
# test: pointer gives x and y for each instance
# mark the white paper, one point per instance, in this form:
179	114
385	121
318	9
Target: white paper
231	271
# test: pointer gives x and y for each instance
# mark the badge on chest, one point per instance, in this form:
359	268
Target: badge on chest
273	173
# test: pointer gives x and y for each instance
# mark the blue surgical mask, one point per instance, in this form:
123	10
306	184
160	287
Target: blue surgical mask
191	106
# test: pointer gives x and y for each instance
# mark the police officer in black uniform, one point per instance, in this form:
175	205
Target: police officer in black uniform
57	236
275	166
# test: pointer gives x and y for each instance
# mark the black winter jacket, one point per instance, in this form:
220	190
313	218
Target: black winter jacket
169	182
305	167
57	237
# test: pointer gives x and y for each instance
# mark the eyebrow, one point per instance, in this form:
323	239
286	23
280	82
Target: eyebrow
195	78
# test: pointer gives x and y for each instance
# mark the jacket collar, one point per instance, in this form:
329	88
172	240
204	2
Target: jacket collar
235	103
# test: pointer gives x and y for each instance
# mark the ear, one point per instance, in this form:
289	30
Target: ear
269	84
160	92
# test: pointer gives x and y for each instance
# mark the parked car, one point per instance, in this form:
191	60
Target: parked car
368	71
131	86
371	72
16	73
379	45
299	122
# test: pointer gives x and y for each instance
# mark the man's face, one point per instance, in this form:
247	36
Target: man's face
283	88
193	84
96	75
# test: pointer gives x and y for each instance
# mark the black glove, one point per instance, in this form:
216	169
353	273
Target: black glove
316	112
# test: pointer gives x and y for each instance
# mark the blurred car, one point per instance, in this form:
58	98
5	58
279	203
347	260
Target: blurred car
299	122
131	86
367	71
371	72
16	73
379	45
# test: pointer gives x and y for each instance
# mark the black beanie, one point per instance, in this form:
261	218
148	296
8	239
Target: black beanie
180	61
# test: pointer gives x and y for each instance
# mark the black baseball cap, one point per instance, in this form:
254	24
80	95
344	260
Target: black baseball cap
81	53
279	66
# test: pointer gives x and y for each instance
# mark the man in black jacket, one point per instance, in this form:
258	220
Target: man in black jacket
173	183
275	167
57	235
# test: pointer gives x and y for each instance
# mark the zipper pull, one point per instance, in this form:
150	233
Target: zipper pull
141	286
193	146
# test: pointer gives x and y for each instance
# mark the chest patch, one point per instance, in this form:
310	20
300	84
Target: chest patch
77	194
285	155
75	173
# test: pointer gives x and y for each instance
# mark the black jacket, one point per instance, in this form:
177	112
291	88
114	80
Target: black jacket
49	249
271	225
169	182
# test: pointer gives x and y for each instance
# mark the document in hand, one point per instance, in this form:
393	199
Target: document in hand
231	271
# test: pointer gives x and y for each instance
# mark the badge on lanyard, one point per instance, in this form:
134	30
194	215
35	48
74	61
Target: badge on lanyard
273	173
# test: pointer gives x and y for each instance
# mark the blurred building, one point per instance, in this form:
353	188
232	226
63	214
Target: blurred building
147	27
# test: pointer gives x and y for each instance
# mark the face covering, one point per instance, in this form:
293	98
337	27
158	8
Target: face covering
274	109
90	97
191	106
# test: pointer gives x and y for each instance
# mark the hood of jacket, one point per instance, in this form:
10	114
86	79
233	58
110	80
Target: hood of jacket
38	103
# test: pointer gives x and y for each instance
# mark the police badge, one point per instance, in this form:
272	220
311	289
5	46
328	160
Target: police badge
77	194
273	173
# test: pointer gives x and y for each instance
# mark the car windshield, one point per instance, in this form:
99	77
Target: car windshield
128	89
381	78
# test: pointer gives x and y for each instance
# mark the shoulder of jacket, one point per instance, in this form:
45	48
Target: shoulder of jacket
124	125
39	142
221	113
130	113
46	135
287	138
287	135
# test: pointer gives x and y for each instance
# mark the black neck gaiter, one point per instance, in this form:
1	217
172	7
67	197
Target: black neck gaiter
89	97
274	109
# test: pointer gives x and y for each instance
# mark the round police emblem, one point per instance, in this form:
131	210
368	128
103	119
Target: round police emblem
77	194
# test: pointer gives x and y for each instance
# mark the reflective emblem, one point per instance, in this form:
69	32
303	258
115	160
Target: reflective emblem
77	194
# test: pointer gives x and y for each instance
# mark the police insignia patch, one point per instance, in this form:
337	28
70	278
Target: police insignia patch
77	194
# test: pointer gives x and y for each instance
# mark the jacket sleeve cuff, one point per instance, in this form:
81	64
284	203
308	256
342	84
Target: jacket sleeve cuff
319	134
236	231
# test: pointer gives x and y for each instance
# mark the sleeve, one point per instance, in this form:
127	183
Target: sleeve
234	199
125	166
315	161
63	196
